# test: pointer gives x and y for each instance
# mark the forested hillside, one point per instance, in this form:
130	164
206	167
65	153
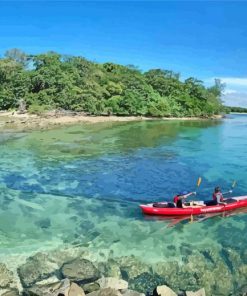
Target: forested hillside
51	80
236	109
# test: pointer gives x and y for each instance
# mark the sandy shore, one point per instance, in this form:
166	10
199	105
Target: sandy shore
10	120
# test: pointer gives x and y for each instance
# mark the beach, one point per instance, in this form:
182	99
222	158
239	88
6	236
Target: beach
24	122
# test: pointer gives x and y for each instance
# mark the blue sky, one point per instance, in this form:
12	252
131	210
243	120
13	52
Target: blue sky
205	39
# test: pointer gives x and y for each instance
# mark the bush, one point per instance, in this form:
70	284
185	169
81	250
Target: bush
38	109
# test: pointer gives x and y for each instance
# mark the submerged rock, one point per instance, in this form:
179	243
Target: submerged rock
241	291
146	282
61	288
131	267
203	268
131	293
80	271
110	269
240	279
13	292
43	223
169	270
105	292
61	256
36	268
110	282
91	287
6	277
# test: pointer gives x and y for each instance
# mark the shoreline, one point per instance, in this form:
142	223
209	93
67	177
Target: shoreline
238	113
25	122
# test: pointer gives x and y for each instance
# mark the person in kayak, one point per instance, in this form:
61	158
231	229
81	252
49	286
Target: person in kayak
178	199
218	196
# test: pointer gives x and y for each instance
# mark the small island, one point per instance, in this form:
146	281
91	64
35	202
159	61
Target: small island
51	81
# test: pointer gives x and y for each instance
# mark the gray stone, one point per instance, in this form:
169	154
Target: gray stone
51	280
35	269
91	287
61	288
13	292
80	271
110	282
37	291
75	290
131	267
131	293
105	292
61	256
200	292
165	291
110	269
6	276
146	282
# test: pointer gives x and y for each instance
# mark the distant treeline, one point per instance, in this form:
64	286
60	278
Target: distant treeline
236	109
51	80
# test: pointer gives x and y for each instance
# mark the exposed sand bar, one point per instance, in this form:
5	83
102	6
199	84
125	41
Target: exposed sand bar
22	122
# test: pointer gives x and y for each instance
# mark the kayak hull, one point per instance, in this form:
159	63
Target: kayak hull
236	203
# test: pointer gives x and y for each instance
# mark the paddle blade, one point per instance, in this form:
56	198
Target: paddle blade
234	184
199	181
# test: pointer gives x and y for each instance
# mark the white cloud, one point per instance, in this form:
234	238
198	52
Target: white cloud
234	81
229	91
235	93
236	99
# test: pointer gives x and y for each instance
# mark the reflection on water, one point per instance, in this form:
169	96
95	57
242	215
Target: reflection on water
82	185
171	221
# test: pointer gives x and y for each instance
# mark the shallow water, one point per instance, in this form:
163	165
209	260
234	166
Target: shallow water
81	185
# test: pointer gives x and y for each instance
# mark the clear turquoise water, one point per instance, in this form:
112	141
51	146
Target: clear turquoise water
81	185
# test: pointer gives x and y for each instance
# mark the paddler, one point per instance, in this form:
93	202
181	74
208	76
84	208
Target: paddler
218	196
178	199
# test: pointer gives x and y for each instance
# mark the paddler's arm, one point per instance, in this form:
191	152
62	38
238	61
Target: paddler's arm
189	194
222	202
228	192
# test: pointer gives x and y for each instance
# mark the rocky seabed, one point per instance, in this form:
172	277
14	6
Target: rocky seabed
61	273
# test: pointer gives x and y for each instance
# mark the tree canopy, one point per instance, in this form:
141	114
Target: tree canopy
236	109
51	80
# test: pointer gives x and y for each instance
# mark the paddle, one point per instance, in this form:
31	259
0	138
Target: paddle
199	181
234	184
198	184
230	191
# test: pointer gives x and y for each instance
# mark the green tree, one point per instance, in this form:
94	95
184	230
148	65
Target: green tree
51	80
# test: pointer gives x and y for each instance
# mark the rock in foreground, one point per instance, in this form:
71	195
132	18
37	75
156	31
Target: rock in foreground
80	271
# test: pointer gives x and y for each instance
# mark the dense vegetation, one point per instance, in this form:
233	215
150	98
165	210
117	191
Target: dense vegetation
50	80
236	109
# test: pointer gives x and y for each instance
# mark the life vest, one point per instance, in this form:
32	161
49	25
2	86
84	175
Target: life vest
178	201
215	195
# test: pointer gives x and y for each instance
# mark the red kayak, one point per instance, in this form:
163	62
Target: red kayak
194	208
